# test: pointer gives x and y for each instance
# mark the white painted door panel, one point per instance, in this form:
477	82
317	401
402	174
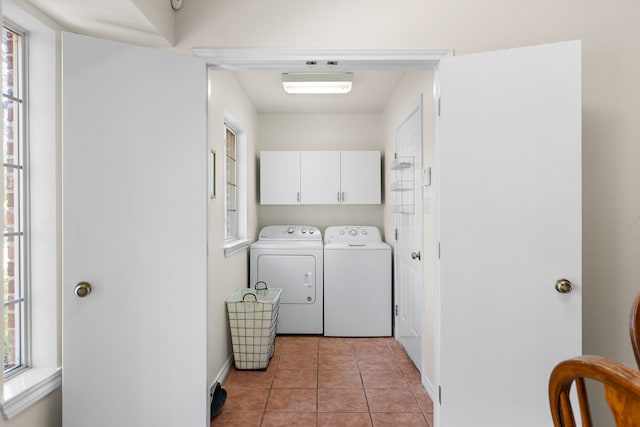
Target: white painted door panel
320	177
510	226
134	226
408	222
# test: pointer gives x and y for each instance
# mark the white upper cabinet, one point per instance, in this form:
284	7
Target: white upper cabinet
360	177
280	177
320	177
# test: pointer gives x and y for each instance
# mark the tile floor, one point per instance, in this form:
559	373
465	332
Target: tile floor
322	381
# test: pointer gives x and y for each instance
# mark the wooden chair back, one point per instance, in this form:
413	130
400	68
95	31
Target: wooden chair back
634	328
621	389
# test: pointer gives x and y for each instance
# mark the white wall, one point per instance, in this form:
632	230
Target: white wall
611	219
47	412
321	132
226	274
609	34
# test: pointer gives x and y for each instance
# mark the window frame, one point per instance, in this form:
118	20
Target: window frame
231	237
23	219
43	372
239	243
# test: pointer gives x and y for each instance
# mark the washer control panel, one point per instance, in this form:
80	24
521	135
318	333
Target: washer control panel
352	233
290	232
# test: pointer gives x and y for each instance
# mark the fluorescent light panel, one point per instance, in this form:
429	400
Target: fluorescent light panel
317	83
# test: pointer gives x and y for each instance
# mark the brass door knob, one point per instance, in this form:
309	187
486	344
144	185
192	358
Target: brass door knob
82	289
563	286
416	255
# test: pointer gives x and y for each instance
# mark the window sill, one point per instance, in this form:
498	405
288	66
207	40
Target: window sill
235	247
27	388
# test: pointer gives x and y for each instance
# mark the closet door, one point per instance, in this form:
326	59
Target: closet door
134	189
510	226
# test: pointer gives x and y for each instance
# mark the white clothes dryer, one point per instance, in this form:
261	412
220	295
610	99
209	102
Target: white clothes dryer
357	282
291	257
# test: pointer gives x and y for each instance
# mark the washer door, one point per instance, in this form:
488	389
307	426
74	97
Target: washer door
295	274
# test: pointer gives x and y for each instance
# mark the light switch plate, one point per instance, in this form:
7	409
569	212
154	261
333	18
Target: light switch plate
426	176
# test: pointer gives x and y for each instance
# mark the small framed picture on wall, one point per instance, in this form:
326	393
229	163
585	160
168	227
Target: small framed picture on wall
212	174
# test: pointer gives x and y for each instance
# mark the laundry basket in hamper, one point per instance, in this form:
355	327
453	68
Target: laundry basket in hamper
253	317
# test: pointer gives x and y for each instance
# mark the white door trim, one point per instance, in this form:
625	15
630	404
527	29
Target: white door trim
250	59
247	59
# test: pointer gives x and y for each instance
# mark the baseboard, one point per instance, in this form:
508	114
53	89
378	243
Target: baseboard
221	376
429	388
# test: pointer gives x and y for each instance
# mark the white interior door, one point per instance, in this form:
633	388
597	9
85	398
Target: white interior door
134	227
510	226
408	220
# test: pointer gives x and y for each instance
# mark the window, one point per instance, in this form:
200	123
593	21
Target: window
235	165
231	192
31	208
14	203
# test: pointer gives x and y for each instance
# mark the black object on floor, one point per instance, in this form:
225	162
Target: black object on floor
217	400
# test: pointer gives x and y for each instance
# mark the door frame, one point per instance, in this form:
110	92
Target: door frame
264	59
240	59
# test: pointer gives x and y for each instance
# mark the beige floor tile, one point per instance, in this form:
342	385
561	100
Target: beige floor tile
231	418
296	378
293	400
339	378
337	361
254	379
383	378
396	419
342	400
328	381
298	360
289	419
336	346
376	361
391	400
244	399
361	419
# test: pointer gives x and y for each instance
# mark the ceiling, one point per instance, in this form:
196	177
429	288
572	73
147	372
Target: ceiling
119	20
370	93
123	20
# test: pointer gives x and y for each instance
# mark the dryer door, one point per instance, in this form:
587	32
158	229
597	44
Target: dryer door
295	274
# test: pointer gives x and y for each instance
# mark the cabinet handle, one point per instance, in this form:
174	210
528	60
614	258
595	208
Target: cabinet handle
343	196
338	196
298	196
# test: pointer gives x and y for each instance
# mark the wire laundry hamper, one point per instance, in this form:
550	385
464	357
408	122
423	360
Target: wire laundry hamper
253	318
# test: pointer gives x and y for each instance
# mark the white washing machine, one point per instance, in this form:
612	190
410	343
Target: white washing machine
291	257
357	282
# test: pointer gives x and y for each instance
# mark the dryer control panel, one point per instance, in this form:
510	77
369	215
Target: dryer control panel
352	233
290	232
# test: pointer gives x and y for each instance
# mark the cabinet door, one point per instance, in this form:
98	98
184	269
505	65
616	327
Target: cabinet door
279	177
360	177
320	177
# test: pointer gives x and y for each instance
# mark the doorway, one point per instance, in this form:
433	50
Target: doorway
259	69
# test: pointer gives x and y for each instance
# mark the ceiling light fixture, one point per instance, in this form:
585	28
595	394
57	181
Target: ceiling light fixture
317	83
